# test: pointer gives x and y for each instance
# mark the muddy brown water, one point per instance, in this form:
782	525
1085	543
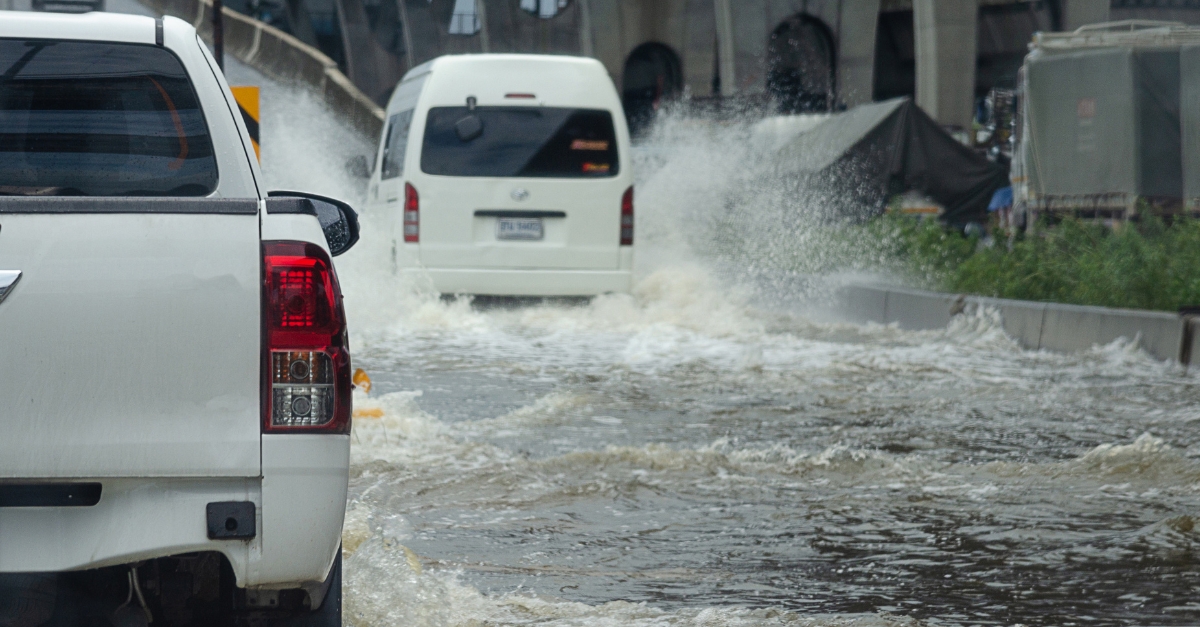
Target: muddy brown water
676	451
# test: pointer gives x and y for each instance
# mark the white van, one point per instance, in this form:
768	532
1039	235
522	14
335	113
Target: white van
508	174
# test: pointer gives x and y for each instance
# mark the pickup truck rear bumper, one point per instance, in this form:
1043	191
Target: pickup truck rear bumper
299	501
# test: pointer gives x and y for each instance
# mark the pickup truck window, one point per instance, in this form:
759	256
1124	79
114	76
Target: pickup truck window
100	119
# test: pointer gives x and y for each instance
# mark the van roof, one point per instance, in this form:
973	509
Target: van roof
553	80
469	61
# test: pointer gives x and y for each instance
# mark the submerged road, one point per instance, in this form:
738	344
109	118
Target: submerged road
698	454
703	453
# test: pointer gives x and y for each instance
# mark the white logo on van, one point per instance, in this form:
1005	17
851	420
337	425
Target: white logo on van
519	194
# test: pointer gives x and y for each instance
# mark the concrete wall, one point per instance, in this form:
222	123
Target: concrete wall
1051	326
711	37
728	39
753	21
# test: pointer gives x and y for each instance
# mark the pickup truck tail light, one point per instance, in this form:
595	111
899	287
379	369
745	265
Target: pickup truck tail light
627	218
412	214
307	358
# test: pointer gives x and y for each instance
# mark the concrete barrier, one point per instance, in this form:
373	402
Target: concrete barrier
862	304
1072	328
1022	320
282	57
921	311
1052	326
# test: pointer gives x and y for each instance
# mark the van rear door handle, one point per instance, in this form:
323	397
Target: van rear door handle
8	279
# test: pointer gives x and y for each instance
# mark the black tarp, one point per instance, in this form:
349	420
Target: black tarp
871	152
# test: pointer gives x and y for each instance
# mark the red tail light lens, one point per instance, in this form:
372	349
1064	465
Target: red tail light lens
627	218
412	214
307	360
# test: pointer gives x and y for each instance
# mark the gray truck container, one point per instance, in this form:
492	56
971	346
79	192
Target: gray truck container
1189	94
1104	126
1109	116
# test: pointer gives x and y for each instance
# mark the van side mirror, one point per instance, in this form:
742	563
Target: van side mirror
338	219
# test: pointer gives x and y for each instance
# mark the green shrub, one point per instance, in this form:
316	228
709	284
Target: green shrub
1145	265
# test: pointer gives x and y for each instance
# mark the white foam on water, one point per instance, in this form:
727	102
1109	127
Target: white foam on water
555	408
1148	457
405	436
412	442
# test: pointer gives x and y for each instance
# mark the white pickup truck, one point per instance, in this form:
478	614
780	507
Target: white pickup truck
174	369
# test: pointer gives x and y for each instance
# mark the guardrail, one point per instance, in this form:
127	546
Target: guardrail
1035	325
282	57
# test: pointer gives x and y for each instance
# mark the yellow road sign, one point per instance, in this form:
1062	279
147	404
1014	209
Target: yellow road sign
247	101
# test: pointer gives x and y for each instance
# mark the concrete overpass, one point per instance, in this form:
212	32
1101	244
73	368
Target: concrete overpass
791	55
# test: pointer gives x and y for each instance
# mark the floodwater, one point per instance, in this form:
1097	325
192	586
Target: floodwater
707	452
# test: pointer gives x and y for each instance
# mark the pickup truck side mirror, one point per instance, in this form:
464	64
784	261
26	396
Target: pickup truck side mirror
338	220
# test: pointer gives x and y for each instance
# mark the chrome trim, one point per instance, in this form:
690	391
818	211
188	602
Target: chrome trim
8	279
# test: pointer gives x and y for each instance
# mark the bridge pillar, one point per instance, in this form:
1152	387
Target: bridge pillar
369	66
587	47
1082	12
726	52
856	51
945	32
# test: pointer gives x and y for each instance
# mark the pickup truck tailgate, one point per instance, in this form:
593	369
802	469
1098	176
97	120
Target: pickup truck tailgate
130	346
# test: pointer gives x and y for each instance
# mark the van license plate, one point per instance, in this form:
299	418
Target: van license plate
519	228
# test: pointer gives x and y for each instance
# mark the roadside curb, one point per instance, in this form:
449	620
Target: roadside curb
282	57
1034	325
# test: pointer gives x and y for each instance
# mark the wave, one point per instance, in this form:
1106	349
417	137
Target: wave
555	408
1146	456
403	434
658	464
384	588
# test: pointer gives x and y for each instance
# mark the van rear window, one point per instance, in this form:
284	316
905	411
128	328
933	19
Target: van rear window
519	142
100	119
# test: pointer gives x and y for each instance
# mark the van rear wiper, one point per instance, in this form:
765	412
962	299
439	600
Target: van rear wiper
34	48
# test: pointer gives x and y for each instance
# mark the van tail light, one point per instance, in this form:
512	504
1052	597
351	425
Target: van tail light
412	214
306	357
627	218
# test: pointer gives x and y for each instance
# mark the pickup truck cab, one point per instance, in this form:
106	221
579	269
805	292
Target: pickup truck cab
174	367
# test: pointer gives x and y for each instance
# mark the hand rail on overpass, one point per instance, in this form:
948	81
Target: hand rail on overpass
282	57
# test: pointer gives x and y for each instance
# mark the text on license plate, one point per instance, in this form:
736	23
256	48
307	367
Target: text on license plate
519	228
